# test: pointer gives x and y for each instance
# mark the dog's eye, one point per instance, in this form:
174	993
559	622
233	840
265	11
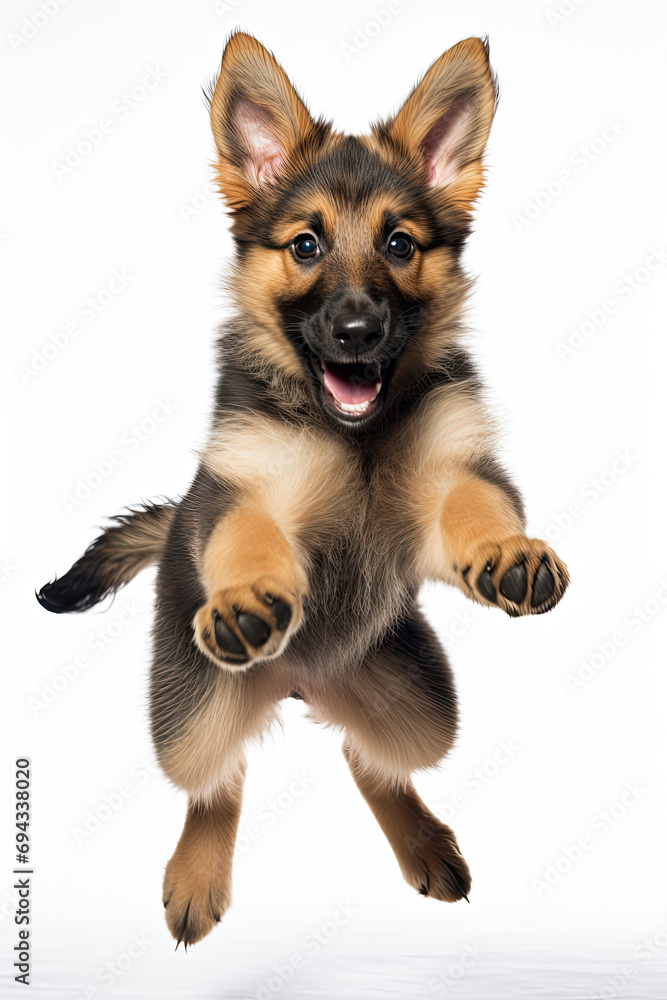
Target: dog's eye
400	245
305	247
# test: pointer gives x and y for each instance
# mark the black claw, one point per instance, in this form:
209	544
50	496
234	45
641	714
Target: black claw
543	585
423	891
514	583
282	613
485	586
216	916
226	639
182	928
254	629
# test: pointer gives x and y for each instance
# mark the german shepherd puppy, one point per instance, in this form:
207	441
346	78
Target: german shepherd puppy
350	459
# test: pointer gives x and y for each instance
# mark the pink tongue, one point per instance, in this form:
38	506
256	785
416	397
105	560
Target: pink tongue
349	390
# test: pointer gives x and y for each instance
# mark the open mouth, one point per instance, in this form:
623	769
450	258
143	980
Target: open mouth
352	391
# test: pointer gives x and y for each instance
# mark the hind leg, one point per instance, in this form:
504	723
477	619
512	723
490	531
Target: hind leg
399	713
198	879
426	849
206	758
205	755
202	717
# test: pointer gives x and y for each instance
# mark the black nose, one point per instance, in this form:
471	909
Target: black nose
357	332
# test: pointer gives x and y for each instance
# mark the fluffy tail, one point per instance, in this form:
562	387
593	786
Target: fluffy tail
133	542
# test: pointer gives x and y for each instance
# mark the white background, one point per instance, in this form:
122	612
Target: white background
140	202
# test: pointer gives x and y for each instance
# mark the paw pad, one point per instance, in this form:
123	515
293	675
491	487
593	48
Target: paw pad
226	639
514	583
253	628
281	612
543	585
485	585
250	622
523	576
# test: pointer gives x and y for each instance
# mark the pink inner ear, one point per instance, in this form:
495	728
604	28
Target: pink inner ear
265	154
444	145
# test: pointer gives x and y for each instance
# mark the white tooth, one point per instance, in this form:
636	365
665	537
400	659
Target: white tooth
354	407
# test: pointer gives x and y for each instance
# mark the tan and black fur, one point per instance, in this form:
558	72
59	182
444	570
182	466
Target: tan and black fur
292	564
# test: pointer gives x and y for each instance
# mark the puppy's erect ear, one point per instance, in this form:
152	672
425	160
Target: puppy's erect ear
446	120
257	119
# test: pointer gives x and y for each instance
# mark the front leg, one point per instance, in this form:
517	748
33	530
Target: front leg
488	555
255	586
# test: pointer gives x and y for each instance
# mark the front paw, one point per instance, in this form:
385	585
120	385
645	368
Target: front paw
520	575
243	624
